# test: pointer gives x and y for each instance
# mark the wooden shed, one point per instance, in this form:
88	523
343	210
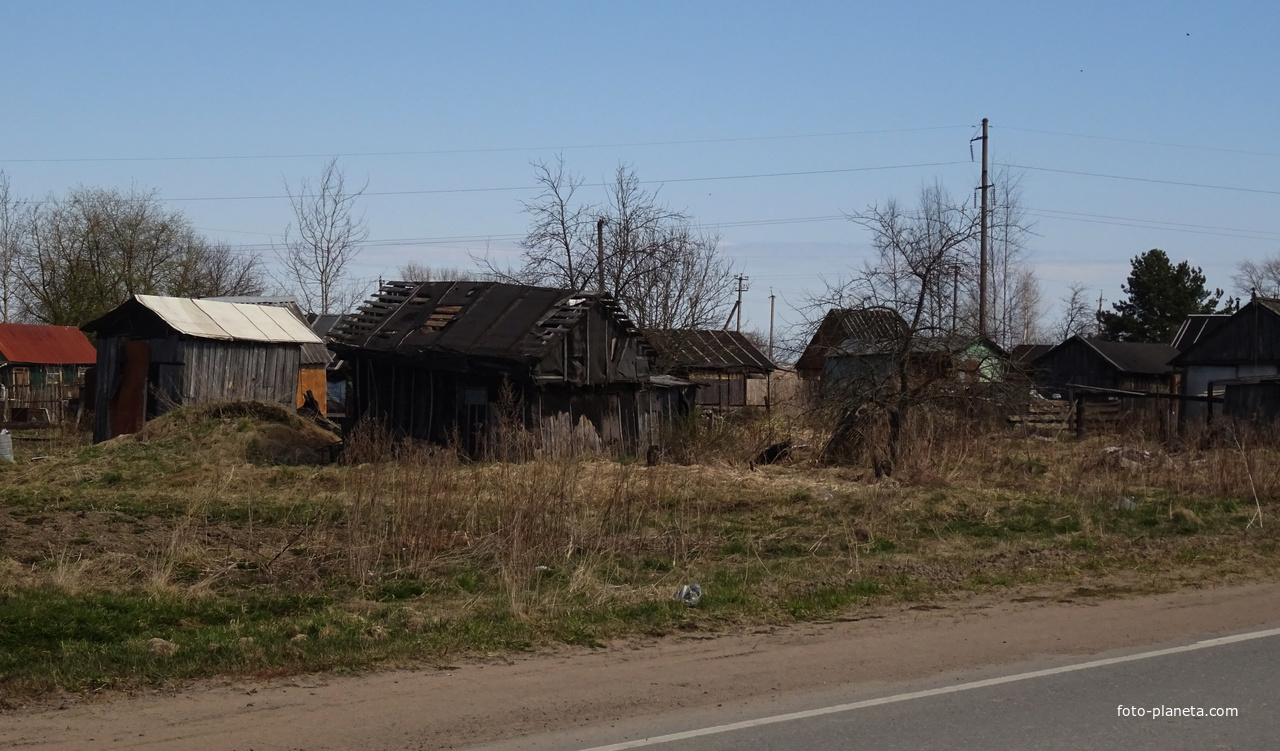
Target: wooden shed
1096	363
156	353
443	361
720	362
42	371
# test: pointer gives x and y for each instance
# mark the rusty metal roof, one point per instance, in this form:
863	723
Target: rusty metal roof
685	350
45	345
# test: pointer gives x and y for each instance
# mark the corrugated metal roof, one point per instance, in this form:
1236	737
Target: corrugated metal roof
708	349
209	319
45	345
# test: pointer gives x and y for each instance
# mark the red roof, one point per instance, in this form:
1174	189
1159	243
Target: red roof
45	345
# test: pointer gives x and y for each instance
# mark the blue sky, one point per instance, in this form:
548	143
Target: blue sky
229	100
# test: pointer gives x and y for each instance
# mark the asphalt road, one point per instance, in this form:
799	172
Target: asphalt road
1048	705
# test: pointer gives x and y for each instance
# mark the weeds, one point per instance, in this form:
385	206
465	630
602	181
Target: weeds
193	533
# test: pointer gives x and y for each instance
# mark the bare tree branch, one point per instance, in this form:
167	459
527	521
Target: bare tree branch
323	240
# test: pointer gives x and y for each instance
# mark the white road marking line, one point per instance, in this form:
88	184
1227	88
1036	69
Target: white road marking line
717	729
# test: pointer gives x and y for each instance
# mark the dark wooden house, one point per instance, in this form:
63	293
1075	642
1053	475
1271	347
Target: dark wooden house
155	353
1099	364
42	371
1245	345
446	361
719	362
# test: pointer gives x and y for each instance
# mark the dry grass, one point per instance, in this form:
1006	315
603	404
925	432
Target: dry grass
211	513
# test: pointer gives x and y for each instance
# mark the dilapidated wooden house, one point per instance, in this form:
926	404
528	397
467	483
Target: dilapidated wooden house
42	371
720	362
156	353
446	361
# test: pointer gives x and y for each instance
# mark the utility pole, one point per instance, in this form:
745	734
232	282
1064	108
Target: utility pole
600	252
1098	318
982	235
955	297
771	325
742	280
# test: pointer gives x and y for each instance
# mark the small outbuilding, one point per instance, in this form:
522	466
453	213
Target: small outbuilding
869	328
1100	364
721	363
156	353
42	371
451	361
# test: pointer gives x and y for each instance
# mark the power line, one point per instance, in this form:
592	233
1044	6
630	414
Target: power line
1144	143
1157	224
493	150
434	191
1142	179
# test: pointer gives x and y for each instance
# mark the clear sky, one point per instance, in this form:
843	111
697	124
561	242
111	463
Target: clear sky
441	107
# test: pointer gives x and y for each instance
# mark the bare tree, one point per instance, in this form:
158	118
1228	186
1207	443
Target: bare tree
1078	316
1013	291
11	229
323	240
81	255
420	272
663	271
912	280
1260	277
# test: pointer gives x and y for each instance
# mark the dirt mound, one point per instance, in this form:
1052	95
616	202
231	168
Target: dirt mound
236	431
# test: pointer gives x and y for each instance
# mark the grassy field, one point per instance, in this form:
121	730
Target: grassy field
213	544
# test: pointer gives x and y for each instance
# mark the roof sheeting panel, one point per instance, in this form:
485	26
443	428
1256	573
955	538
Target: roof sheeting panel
209	319
45	345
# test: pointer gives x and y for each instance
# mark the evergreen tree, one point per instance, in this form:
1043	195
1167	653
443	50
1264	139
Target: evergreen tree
1159	297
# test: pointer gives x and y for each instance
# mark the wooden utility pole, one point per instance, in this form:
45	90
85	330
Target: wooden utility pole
742	281
600	253
770	325
982	257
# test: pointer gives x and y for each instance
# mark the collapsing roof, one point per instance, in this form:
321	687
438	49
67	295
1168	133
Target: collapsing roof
485	319
685	350
45	345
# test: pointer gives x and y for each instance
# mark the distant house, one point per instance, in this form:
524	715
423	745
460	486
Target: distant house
874	327
42	371
1095	363
156	353
1245	345
720	362
446	361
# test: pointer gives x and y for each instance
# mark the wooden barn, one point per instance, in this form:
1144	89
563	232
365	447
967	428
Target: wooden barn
156	353
446	361
721	363
42	372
